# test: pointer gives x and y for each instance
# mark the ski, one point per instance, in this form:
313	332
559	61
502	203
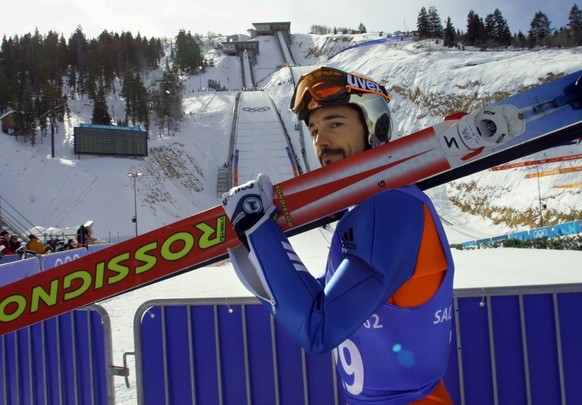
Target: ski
543	117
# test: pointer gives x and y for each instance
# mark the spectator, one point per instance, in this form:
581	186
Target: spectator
51	245
35	245
83	235
71	245
13	243
5	241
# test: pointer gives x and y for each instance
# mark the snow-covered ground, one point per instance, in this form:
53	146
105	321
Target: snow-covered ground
425	81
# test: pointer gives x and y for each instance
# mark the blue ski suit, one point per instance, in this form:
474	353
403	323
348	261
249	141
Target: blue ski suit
375	308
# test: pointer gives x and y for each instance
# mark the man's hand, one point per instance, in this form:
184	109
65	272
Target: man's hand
246	204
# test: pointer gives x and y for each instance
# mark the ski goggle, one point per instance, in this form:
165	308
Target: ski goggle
328	86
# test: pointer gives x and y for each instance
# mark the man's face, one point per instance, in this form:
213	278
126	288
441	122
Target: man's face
337	133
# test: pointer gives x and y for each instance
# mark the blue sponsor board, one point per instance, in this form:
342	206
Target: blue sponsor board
568	228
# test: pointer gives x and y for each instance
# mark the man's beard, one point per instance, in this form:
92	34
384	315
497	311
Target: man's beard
327	154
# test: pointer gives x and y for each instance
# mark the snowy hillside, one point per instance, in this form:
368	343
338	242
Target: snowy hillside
426	82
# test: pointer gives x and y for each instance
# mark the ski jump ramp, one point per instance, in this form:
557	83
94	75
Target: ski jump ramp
272	155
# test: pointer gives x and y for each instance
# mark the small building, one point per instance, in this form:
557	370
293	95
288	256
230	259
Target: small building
9	125
269	28
235	45
238	47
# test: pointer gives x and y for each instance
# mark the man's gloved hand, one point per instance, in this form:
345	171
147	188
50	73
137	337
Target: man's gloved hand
246	204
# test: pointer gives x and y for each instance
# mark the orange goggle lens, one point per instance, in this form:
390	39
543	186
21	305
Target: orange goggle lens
319	84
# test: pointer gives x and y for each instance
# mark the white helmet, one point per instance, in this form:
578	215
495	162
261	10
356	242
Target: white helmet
327	86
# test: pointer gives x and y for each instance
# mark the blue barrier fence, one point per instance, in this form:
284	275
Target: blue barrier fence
371	42
510	345
568	228
203	352
19	269
9	258
64	360
517	345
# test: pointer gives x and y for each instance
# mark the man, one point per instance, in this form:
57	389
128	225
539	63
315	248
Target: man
14	244
35	245
5	242
389	271
83	235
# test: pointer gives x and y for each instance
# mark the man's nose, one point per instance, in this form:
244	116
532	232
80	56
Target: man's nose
322	140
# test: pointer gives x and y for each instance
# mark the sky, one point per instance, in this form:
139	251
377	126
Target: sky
165	19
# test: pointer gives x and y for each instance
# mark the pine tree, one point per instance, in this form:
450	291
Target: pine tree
575	24
434	22
489	28
101	114
136	98
165	98
188	57
449	38
475	29
4	84
105	48
142	107
50	104
519	40
422	24
26	114
63	54
78	49
540	30
504	37
496	29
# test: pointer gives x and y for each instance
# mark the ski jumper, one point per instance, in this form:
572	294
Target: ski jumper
384	305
